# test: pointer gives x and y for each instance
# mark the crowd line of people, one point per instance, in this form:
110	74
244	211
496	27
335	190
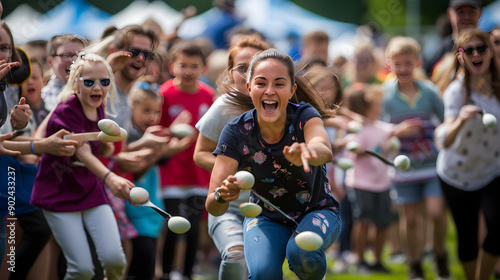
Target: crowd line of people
290	119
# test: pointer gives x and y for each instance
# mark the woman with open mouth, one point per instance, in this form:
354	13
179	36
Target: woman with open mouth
468	164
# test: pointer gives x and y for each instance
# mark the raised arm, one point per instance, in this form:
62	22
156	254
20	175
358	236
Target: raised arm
316	150
455	124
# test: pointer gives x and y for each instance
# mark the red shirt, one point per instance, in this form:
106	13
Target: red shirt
180	170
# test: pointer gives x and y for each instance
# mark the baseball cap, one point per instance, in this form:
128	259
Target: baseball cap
457	3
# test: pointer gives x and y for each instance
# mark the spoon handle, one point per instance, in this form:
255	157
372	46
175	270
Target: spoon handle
161	212
156	208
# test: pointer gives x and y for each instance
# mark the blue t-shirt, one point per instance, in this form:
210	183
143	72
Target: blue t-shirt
287	186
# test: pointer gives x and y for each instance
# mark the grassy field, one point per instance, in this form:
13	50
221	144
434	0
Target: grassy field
398	271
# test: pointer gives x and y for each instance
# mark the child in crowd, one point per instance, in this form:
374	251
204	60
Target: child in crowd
467	164
32	92
364	67
62	51
35	230
409	98
72	197
368	181
314	50
184	184
146	111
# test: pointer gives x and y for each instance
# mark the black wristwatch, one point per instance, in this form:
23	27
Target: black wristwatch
217	196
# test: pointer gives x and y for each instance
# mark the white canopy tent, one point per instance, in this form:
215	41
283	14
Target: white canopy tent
140	10
71	16
24	22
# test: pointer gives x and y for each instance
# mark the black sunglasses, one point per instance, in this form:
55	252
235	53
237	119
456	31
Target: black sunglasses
90	82
480	49
148	55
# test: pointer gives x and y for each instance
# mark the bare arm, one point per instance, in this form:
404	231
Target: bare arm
455	124
54	145
203	156
316	150
222	176
119	186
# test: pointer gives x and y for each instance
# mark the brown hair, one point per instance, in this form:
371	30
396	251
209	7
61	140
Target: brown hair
225	81
402	45
188	48
137	94
59	40
305	91
316	37
317	73
359	97
124	36
14	56
458	68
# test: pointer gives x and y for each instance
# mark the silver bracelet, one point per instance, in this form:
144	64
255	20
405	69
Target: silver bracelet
217	196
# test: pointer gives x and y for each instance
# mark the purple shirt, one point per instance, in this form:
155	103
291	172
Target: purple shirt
60	186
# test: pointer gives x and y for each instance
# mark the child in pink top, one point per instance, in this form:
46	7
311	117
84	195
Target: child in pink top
368	181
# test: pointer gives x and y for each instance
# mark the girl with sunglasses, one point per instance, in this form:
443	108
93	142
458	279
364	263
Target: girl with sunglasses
72	196
468	164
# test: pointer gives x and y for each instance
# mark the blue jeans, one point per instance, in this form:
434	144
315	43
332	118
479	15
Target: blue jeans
227	232
267	243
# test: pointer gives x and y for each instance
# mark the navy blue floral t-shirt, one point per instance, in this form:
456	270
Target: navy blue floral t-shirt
287	186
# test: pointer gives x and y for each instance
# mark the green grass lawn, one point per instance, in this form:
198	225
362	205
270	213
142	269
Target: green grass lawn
399	271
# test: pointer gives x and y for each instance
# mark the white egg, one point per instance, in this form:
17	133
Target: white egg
245	179
354	127
352	146
139	195
178	224
182	130
309	240
109	127
250	210
489	120
345	163
402	162
394	144
108	138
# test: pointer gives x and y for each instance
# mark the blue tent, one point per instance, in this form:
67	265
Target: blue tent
490	17
276	19
76	17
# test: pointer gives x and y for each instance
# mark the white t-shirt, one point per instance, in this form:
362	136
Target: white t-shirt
211	125
473	160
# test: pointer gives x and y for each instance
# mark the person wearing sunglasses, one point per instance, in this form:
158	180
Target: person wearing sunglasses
129	51
72	196
462	14
468	164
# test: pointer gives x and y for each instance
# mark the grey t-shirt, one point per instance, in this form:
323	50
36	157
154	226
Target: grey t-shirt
211	125
121	111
